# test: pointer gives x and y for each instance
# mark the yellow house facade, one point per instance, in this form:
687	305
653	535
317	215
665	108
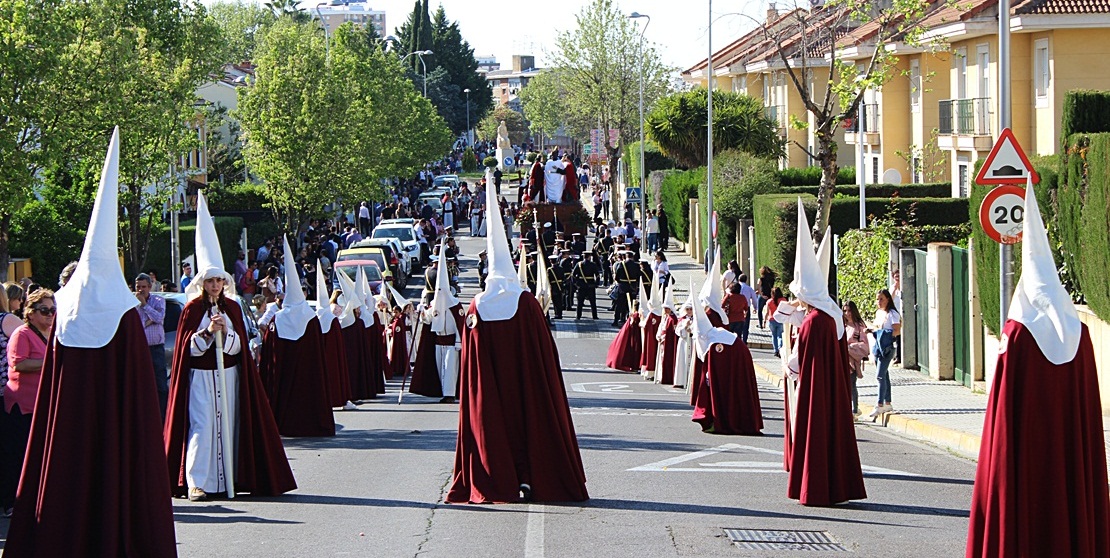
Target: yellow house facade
938	113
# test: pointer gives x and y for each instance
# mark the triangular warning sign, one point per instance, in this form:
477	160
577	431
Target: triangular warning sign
1007	163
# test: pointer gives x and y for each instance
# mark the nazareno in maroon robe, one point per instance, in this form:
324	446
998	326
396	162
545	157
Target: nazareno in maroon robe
399	349
823	459
261	467
359	361
728	398
651	344
373	336
300	392
337	375
425	371
624	351
1041	486
514	420
94	478
668	347
697	374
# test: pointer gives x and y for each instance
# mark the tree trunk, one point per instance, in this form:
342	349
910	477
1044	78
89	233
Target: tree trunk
826	157
615	193
134	236
5	257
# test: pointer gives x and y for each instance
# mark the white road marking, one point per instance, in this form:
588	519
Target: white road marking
668	465
533	534
624	389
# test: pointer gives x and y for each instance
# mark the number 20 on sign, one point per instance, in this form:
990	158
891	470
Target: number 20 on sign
1002	213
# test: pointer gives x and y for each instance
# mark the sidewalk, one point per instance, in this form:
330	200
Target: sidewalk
943	413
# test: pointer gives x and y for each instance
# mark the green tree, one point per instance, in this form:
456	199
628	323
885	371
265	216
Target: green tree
544	102
677	125
514	123
599	63
241	25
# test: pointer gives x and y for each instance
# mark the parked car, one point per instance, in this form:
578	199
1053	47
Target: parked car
370	267
175	304
396	250
434	199
405	234
376	255
390	259
449	180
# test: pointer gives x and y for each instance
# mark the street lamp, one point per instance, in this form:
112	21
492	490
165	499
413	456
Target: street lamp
643	197
709	142
420	54
467	91
327	39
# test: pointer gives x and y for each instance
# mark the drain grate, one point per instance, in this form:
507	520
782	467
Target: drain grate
759	539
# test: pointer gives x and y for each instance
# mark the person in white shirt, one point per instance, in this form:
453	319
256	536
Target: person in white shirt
364	219
554	181
887	323
652	231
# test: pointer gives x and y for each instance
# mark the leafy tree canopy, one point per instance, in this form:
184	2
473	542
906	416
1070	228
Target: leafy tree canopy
677	126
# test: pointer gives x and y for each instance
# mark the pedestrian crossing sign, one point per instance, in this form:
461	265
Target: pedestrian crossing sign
632	195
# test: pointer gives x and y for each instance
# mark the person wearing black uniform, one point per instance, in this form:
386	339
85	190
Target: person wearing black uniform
530	271
585	283
483	270
565	267
627	275
577	244
548	236
555	276
603	248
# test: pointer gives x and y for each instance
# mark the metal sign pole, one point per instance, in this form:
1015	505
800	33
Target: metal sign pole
1005	272
709	134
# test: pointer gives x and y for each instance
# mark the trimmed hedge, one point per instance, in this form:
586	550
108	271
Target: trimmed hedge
236	197
737	178
1084	112
228	229
678	188
938	190
811	176
776	229
654	160
1084	226
861	268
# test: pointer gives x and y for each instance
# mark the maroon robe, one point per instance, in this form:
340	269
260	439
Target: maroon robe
425	371
399	350
514	420
94	475
624	351
728	398
697	373
1041	487
359	363
651	344
261	467
823	460
337	376
668	346
570	189
373	336
299	397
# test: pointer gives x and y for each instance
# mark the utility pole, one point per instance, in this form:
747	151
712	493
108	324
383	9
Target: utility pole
709	140
1005	271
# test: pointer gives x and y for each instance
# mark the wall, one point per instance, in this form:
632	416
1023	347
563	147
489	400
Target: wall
1086	65
1100	338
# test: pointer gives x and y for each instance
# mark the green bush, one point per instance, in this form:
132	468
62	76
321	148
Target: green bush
776	227
861	266
1084	112
844	215
236	197
228	230
654	160
811	176
490	162
737	178
938	190
1094	227
678	188
469	160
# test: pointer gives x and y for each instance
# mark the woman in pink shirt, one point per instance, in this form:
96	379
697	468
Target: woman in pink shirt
26	352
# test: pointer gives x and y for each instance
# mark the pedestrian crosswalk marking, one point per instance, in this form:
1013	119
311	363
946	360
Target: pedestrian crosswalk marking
669	464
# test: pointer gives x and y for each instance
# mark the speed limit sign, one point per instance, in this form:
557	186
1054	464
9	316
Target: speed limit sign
1003	213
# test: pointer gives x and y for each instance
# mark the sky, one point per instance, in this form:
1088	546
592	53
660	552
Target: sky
678	28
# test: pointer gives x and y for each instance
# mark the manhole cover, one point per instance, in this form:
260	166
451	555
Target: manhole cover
759	539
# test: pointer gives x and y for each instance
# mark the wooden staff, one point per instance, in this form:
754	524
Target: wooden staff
227	437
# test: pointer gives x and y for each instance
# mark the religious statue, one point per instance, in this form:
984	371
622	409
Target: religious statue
503	137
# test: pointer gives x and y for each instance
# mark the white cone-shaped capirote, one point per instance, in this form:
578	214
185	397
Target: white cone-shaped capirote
705	335
824	253
645	305
97	296
366	299
443	301
503	287
809	284
348	299
323	304
668	300
712	294
1040	301
210	260
295	312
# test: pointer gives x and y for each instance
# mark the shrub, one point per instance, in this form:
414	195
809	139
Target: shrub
239	196
228	230
469	160
737	178
678	188
1084	112
776	226
811	176
861	266
654	160
1094	227
938	190
489	162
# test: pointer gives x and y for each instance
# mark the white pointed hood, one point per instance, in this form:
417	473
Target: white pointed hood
443	323
1040	302
348	299
824	253
502	295
543	282
366	298
295	312
668	300
712	294
656	294
398	298
210	260
323	306
96	297
809	284
705	335
645	305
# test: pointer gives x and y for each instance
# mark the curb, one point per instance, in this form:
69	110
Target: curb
964	444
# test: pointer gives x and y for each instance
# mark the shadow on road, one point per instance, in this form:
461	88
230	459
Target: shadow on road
380	439
671	507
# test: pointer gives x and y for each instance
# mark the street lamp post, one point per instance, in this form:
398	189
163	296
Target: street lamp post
468	140
709	140
420	54
643	194
327	39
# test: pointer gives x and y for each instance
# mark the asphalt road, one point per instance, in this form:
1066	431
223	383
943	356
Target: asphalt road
658	485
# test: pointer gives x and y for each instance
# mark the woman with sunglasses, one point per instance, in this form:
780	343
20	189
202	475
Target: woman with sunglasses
26	351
